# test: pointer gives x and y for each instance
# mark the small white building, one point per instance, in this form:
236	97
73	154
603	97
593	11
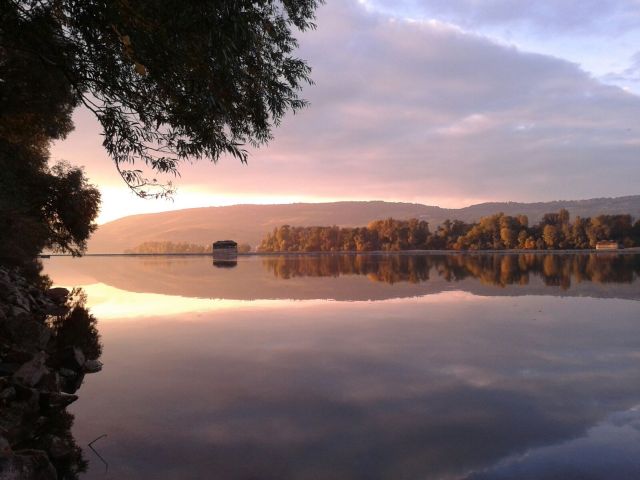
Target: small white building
608	245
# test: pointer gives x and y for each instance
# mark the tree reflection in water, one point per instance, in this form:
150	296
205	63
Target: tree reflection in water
491	269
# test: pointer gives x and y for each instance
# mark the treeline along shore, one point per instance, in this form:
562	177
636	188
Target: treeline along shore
186	248
556	231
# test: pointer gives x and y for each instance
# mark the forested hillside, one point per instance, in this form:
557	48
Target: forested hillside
249	223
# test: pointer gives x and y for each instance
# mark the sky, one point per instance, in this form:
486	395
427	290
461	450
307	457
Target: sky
442	102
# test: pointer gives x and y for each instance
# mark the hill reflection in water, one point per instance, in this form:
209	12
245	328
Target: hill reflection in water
358	277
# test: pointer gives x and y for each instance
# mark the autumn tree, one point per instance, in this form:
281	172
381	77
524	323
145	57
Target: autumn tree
494	232
509	231
579	233
550	236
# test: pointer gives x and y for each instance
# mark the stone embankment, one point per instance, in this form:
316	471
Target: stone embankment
39	375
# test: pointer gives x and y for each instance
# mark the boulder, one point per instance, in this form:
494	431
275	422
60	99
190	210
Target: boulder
73	358
28	398
67	372
21	300
32	372
51	382
58	294
72	384
56	400
5	448
29	334
16	311
7	394
5	280
11	421
27	464
8	369
92	366
59	447
17	355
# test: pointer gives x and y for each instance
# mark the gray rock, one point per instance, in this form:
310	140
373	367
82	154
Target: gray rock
72	384
44	335
27	464
57	400
7	394
27	398
5	448
73	358
67	372
21	300
11	420
92	366
29	334
7	369
16	311
18	355
32	372
59	447
51	382
58	294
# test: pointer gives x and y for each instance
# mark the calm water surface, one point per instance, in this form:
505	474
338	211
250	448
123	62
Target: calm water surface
343	367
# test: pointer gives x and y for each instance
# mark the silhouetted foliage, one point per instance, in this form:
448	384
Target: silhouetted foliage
40	207
167	80
77	327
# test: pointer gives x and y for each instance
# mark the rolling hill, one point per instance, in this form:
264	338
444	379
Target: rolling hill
249	223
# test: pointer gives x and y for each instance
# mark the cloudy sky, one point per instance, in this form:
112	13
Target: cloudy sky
443	102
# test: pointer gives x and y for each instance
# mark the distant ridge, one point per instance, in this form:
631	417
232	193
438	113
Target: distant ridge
249	223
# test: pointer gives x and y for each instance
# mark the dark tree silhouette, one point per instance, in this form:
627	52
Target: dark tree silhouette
168	80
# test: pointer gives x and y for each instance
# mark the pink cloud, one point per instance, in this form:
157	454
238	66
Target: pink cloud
418	111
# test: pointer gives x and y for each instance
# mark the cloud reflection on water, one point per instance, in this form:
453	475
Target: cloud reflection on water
364	390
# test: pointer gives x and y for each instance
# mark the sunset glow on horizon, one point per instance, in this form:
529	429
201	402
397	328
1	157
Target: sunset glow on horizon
118	201
110	303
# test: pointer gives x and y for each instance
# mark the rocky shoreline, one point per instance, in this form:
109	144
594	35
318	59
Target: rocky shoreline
48	342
